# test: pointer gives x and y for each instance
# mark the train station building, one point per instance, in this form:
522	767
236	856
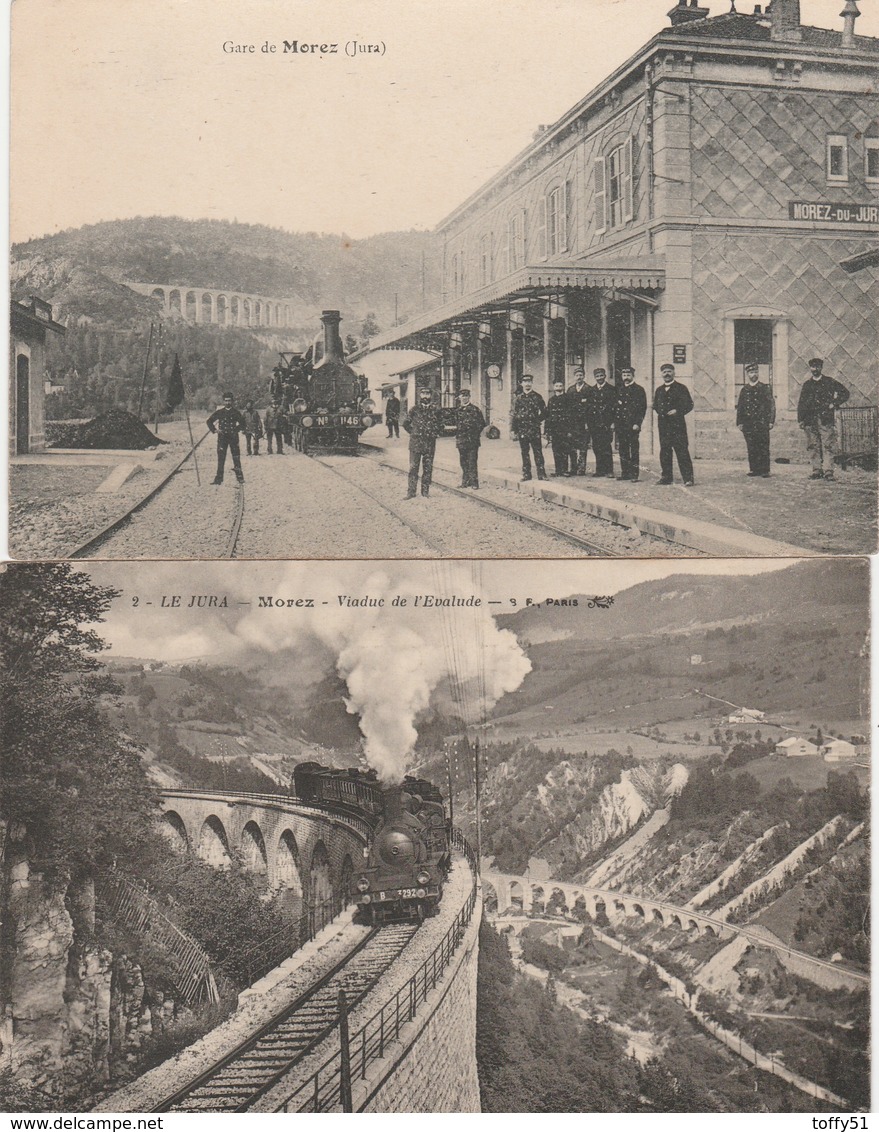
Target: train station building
714	201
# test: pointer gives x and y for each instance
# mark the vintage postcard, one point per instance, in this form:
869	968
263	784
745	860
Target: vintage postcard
437	837
404	280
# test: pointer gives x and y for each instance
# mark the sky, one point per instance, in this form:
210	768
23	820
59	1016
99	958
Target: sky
138	625
133	107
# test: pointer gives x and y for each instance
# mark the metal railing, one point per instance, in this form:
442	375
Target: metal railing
858	433
322	1092
258	961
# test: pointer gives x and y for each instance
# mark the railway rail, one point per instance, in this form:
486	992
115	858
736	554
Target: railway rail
255	1065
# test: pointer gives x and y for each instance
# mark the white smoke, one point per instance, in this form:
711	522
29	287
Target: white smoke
393	657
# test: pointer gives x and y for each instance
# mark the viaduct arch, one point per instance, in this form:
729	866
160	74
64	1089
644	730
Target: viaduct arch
217	306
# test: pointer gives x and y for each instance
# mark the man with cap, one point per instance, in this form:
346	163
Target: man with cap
671	403
469	423
580	397
227	423
277	425
631	410
392	415
820	397
424	424
559	429
604	407
755	416
529	412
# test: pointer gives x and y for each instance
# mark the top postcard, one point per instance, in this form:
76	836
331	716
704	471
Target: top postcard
488	279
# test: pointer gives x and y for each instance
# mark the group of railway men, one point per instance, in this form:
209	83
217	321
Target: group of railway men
228	422
585	415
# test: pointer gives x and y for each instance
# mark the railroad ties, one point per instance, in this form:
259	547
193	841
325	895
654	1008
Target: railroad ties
255	1066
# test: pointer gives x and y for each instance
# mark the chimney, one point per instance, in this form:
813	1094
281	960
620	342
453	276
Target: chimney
685	13
849	14
332	338
785	16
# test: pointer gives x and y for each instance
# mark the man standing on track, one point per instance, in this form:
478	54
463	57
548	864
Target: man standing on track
631	410
469	423
253	429
604	407
392	415
671	403
276	427
227	423
755	416
424	424
529	412
820	397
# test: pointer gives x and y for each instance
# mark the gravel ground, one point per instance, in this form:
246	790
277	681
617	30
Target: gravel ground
53	508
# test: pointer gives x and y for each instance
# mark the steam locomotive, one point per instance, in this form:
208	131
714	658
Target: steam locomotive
409	856
329	404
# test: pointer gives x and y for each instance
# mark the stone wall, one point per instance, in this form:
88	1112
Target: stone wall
432	1068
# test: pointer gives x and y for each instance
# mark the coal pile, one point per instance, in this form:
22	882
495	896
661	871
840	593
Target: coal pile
113	429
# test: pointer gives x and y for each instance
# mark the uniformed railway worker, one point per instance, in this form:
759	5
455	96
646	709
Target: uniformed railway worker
227	423
276	427
424	424
559	429
253	429
755	416
529	412
603	414
820	397
671	403
631	410
392	415
469	423
580	397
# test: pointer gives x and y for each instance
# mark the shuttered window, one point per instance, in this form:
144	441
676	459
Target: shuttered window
600	197
540	232
614	194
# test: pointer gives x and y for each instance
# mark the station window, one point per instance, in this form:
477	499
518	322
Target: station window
837	157
555	220
753	343
516	240
871	159
485	259
614	202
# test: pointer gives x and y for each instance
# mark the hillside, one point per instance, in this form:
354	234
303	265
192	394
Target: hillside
81	271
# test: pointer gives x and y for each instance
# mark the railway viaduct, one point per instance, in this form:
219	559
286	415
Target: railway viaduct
431	1064
217	307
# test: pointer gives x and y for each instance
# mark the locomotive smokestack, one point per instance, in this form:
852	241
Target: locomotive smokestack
332	337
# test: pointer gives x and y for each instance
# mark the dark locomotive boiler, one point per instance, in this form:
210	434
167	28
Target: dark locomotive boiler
333	407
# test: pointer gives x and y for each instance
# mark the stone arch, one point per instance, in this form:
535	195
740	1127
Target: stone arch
257	313
288	870
174	828
579	907
517	894
709	929
676	919
557	901
658	916
190	306
235	310
247	311
619	907
175	302
637	910
158	293
222	308
253	849
538	900
489	896
206	307
599	911
320	882
213	844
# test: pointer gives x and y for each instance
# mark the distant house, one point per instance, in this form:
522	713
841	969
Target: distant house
839	750
796	748
747	715
28	324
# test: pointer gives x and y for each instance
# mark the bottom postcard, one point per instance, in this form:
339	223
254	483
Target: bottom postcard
538	837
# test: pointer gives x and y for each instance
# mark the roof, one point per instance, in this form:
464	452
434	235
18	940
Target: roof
35	315
792	741
755	29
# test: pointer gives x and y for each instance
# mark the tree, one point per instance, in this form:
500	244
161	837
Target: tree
70	777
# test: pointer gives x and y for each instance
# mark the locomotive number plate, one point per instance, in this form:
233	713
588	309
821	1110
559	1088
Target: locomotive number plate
402	893
349	420
322	420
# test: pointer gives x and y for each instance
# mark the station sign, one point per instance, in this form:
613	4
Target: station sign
837	213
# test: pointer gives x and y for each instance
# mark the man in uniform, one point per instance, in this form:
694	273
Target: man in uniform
392	415
253	429
671	403
580	400
560	431
631	410
604	406
469	423
820	397
424	424
227	423
276	427
755	416
529	412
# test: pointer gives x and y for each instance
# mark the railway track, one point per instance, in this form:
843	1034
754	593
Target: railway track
253	1067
